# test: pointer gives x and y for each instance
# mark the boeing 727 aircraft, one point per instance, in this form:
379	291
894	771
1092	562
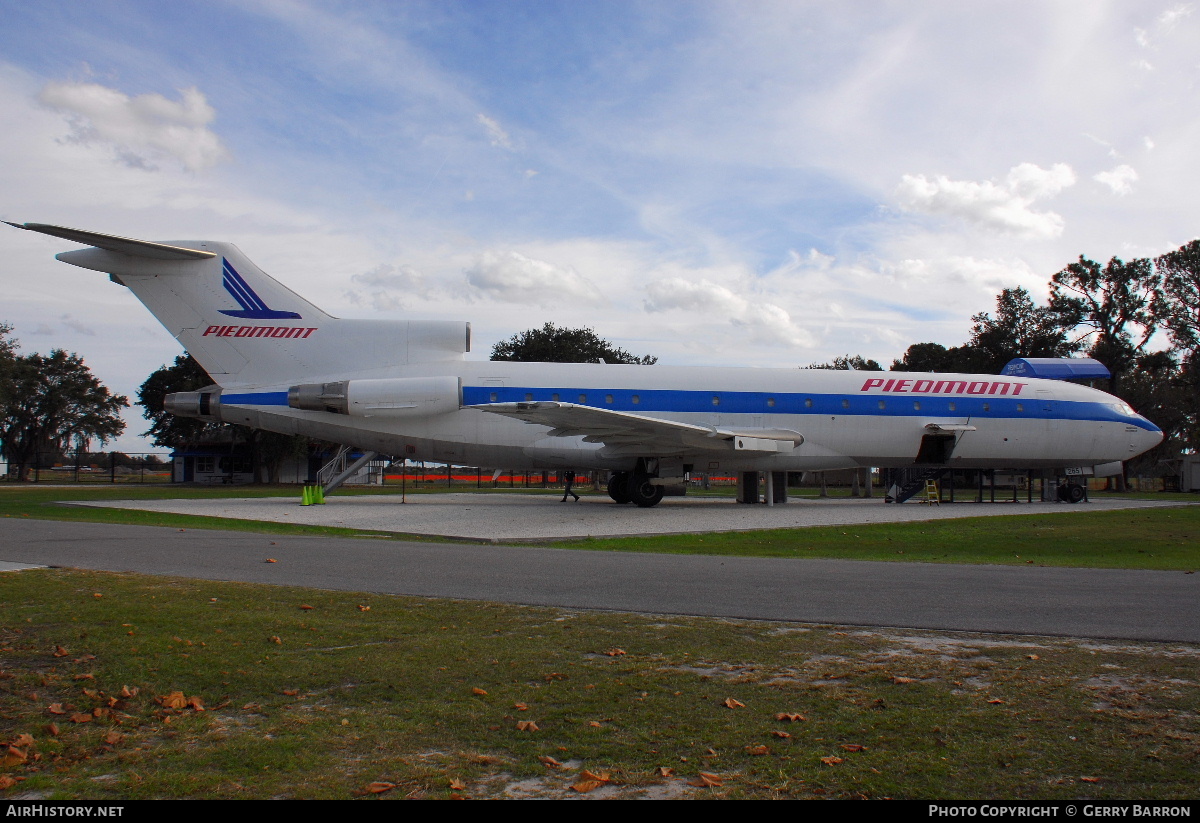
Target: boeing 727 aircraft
405	388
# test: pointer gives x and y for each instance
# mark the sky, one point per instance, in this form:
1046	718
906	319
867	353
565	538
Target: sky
715	183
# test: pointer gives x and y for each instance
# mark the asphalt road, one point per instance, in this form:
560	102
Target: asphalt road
1100	603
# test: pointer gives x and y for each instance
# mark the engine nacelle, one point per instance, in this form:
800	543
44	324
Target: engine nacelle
381	397
204	404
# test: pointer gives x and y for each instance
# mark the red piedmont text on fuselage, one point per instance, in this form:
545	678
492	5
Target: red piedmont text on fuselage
926	386
258	331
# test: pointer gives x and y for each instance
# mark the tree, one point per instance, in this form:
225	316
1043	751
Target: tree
54	402
1020	329
1177	305
934	357
269	449
166	429
551	344
1114	302
845	361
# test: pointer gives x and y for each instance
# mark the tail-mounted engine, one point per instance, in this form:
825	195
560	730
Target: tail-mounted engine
204	404
384	397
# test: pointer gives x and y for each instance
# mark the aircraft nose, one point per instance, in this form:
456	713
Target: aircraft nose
1143	440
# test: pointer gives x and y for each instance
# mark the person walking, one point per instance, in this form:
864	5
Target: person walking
569	477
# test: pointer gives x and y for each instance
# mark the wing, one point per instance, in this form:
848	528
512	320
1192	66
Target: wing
626	433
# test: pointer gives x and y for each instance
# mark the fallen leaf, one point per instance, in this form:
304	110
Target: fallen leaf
457	784
585	786
80	717
478	691
364	608
23	740
7	782
707	779
832	760
854	747
1033	657
790	717
84	677
1090	779
196	703
521	707
527	726
128	692
665	771
306	608
549	762
781	734
730	703
290	693
377	788
174	700
901	680
276	639
59	651
757	750
52	729
113	738
14	757
273	560
615	652
995	700
56	708
595	723
97	594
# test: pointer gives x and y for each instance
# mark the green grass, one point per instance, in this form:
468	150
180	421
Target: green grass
1167	538
348	697
1159	538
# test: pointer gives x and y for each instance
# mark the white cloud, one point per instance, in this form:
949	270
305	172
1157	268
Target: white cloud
769	322
1004	205
77	326
514	278
1120	179
497	136
141	128
388	288
1172	16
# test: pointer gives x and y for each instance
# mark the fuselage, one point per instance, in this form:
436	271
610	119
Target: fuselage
847	418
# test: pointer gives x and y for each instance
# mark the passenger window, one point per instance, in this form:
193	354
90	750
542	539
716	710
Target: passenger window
528	396
554	397
952	406
716	401
492	397
583	398
771	402
808	402
882	405
916	405
608	398
636	399
845	403
1021	407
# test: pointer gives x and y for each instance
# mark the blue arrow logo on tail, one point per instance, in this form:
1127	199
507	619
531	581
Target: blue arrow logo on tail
253	307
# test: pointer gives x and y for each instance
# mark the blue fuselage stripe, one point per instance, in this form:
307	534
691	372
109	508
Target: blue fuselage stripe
651	401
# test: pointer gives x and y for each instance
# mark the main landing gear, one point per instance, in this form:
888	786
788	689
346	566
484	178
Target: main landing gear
634	487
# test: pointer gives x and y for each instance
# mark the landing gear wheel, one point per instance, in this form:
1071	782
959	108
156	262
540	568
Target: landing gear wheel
642	492
618	487
1071	493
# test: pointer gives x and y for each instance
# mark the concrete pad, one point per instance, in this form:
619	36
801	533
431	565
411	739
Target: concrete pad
524	517
17	567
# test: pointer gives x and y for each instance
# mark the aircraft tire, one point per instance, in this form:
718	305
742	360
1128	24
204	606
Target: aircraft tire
618	487
642	492
1075	494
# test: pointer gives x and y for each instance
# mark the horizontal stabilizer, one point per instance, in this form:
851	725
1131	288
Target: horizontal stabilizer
121	245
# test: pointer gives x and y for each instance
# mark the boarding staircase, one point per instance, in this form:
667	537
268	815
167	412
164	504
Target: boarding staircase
341	468
907	482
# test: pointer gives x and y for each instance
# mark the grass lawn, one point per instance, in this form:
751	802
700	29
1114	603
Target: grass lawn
122	686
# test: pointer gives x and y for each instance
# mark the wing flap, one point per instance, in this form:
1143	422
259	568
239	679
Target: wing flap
628	432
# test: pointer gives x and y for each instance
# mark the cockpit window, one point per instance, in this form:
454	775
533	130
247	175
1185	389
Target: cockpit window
1124	409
